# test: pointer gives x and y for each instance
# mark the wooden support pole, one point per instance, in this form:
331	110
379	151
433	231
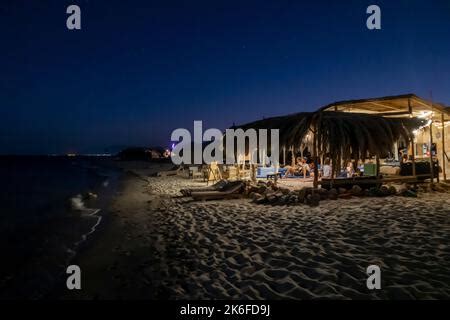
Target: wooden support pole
275	179
443	147
431	145
413	151
315	157
377	169
431	153
253	172
413	157
322	160
284	155
293	156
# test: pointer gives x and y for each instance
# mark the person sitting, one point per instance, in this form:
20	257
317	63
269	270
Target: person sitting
291	170
304	167
350	170
405	158
326	173
294	170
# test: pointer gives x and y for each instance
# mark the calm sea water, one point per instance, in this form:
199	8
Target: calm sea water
44	217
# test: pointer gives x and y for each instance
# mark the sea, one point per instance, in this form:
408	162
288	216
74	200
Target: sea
49	208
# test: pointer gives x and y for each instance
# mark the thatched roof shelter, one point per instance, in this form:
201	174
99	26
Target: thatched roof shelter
341	135
356	129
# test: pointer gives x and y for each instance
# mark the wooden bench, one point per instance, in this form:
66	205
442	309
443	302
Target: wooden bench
271	176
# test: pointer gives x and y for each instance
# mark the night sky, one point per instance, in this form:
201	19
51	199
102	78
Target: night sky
139	69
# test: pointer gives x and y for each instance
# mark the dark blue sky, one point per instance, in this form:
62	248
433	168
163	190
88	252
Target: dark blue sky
139	69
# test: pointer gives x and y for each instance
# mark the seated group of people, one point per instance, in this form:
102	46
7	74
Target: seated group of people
303	168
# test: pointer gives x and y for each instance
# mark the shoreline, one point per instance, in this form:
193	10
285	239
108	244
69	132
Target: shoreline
161	246
46	235
99	254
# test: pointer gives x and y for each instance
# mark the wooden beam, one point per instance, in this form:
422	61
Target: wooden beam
443	147
383	105
426	104
401	113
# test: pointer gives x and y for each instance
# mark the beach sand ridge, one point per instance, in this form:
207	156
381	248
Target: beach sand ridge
160	245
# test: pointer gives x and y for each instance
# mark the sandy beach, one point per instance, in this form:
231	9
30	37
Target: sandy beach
159	245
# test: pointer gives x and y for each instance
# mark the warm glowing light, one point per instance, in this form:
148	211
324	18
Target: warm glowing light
425	114
420	129
439	125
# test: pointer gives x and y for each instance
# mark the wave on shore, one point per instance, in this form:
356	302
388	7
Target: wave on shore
43	227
